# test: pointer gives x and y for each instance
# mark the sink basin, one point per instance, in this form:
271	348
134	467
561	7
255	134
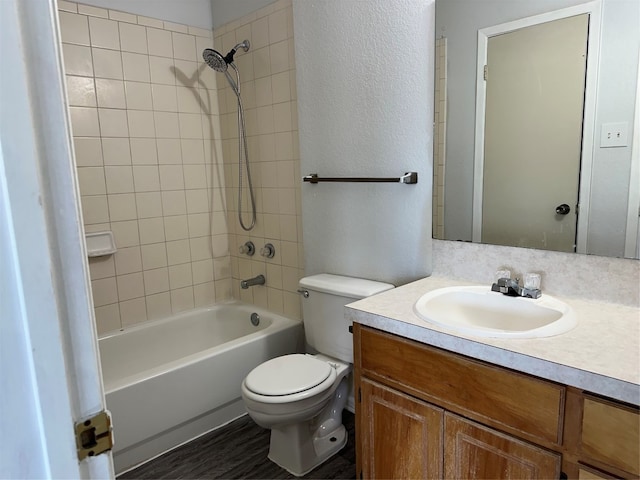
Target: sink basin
480	312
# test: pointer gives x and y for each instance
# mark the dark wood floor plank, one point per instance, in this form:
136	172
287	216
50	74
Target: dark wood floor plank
239	451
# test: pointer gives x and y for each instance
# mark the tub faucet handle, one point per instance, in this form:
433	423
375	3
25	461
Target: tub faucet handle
248	248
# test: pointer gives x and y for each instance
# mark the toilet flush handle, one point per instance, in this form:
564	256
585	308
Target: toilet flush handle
303	292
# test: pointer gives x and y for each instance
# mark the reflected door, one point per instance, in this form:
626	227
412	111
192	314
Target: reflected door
535	84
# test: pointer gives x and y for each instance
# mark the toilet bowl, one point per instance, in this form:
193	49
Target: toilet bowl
300	397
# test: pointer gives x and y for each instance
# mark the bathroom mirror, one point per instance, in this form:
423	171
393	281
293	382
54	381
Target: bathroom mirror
592	206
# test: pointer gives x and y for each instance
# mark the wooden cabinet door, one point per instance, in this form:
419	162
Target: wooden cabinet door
473	451
401	436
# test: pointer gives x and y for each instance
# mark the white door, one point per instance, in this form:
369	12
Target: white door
533	133
49	370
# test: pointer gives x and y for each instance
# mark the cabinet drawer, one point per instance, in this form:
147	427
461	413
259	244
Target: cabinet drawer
610	434
515	402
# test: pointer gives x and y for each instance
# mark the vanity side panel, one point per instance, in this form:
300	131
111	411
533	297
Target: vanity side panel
526	406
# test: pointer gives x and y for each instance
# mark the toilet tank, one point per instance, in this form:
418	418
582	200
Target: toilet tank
326	329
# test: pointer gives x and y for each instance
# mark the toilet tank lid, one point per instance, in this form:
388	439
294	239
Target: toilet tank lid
344	286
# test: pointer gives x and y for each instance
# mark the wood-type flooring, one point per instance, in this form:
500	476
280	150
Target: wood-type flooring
237	451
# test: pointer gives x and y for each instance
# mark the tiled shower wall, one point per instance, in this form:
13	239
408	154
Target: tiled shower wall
440	136
268	90
144	113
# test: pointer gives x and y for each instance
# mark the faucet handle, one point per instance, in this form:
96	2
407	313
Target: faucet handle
532	280
501	274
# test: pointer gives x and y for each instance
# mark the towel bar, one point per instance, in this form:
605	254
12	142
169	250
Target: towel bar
408	178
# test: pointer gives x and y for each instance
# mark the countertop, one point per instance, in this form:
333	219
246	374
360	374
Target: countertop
600	355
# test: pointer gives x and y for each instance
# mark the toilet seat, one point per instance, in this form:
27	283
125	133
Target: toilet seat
288	375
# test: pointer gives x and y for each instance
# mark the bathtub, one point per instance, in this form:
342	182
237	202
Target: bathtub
171	380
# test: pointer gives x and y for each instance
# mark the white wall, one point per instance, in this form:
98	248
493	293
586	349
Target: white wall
227	10
459	21
365	106
196	13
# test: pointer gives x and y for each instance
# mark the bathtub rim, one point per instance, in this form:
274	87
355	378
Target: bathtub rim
278	322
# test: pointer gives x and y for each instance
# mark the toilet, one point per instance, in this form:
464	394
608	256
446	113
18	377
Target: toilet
300	397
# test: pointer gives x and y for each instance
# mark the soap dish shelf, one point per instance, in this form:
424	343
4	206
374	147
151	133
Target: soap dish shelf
100	244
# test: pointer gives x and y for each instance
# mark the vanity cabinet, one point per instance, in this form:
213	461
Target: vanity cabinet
422	412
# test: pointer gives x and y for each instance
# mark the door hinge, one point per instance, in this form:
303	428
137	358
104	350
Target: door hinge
94	436
485	73
359	395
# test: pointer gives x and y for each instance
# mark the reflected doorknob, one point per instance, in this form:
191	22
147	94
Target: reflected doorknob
563	209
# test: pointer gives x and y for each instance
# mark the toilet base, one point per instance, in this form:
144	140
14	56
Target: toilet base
298	453
301	447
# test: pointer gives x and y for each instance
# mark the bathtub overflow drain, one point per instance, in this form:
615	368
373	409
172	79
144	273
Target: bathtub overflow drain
255	319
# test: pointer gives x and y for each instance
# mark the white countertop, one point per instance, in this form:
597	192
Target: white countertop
600	355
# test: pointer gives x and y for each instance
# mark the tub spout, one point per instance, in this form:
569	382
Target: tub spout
259	280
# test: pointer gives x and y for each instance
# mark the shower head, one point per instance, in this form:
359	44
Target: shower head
219	63
215	60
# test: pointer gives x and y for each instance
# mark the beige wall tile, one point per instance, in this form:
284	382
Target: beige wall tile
108	318
92	11
119	179
65	6
141	124
146	178
143	152
122	207
125	233
159	42
113	123
95	209
204	294
164	98
156	281
91	180
74	28
116	151
104	33
171	177
151	230
161	69
180	276
149	204
154	256
122	16
166	124
81	91
110	93
133	311
105	291
176	227
84	122
178	251
184	46
174	202
202	271
107	63
102	267
77	60
169	150
136	67
133	38
128	260
182	299
130	286
150	22
138	95
158	306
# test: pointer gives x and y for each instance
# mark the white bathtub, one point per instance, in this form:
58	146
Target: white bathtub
171	380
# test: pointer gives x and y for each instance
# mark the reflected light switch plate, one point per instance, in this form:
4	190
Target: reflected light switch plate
614	135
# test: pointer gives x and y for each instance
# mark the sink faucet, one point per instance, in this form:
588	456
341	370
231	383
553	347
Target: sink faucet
259	280
512	288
